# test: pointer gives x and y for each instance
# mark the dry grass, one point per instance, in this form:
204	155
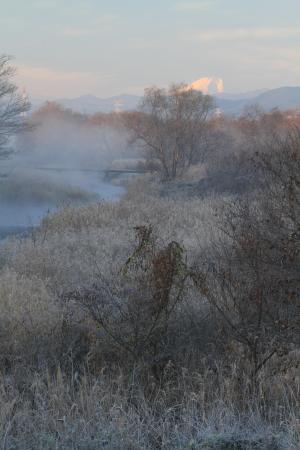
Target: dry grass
64	386
74	245
114	413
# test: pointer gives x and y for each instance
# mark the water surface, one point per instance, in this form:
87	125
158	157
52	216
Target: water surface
18	216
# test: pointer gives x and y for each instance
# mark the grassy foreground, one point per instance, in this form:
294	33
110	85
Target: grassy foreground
124	375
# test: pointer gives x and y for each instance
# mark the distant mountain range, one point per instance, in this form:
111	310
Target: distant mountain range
240	96
283	98
90	104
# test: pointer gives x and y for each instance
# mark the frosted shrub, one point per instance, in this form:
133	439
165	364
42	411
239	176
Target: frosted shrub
75	245
81	299
135	311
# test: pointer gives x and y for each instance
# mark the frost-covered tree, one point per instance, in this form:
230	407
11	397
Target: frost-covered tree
172	125
13	105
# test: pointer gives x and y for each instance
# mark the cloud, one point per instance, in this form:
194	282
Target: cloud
195	6
244	33
43	73
79	32
52	4
46	82
94	27
283	60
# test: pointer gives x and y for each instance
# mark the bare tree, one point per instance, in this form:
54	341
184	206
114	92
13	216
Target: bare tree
172	125
12	105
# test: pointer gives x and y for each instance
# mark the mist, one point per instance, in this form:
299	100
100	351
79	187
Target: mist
60	161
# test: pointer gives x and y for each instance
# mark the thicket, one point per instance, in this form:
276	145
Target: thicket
156	323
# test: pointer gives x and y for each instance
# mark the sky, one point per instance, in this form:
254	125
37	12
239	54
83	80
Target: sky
68	48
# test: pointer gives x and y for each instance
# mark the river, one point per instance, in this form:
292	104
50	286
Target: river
16	217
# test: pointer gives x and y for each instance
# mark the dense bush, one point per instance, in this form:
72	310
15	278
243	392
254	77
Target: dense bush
156	323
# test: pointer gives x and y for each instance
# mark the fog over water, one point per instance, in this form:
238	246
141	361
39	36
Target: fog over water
60	162
75	190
